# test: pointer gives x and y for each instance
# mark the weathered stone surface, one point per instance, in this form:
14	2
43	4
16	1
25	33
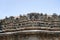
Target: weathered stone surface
33	26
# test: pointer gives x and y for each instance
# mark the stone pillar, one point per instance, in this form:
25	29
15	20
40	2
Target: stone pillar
19	37
56	38
4	38
1	38
16	37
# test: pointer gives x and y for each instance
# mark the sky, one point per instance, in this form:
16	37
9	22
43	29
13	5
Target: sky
22	7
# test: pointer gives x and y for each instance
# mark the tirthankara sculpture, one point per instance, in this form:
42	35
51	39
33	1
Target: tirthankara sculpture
33	26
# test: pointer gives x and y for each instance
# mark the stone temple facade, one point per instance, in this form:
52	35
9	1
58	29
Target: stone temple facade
33	26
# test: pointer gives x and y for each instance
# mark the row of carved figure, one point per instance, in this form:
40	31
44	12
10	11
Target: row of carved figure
31	19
